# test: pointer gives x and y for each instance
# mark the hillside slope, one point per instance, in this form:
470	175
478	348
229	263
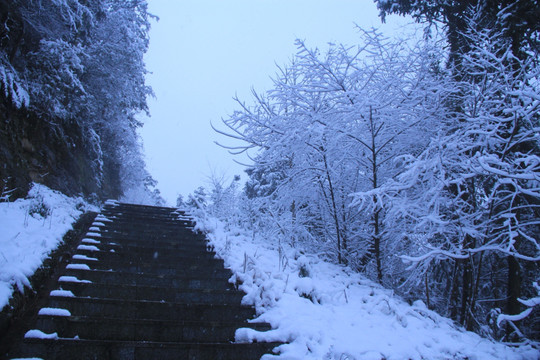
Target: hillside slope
326	311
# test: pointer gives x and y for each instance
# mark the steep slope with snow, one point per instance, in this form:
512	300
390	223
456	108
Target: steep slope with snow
30	229
326	311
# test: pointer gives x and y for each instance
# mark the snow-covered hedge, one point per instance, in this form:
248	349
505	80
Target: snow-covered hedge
326	311
30	229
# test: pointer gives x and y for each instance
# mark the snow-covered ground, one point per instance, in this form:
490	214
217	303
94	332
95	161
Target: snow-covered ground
325	311
30	229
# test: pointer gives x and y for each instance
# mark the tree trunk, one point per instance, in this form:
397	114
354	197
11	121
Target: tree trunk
467	285
454	292
334	209
513	290
377	211
466	293
377	245
426	284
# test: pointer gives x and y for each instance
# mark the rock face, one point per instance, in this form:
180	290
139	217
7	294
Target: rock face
142	285
31	150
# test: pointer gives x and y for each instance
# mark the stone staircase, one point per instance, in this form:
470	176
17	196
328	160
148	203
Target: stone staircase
142	285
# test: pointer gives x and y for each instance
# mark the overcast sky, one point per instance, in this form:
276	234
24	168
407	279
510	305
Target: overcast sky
203	52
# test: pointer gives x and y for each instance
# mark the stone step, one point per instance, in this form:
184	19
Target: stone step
118	350
128	232
143	224
175	234
135	245
208	267
116	221
142	330
154	293
147	247
143	208
144	286
148	214
123	232
128	214
160	255
188	281
136	223
147	217
139	208
145	211
140	212
136	309
180	234
144	247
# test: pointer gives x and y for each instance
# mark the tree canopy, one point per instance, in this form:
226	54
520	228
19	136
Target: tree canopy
415	162
75	70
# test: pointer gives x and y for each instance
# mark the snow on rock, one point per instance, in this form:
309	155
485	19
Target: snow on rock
38	334
78	267
83	257
73	279
87	247
30	229
326	311
54	312
62	293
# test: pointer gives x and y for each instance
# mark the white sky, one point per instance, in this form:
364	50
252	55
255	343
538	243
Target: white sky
203	52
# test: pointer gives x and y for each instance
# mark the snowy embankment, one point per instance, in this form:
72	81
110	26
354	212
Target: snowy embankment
30	229
326	311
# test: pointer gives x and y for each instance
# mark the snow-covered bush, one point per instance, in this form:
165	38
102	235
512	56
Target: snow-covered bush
26	241
38	206
332	126
327	311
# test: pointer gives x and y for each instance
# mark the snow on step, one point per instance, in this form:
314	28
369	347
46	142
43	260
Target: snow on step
78	267
103	219
54	312
62	293
87	247
93	234
90	241
38	334
83	257
97	223
73	279
94	228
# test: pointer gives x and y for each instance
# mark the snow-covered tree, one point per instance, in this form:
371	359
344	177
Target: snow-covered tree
470	200
78	68
517	20
331	126
48	33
